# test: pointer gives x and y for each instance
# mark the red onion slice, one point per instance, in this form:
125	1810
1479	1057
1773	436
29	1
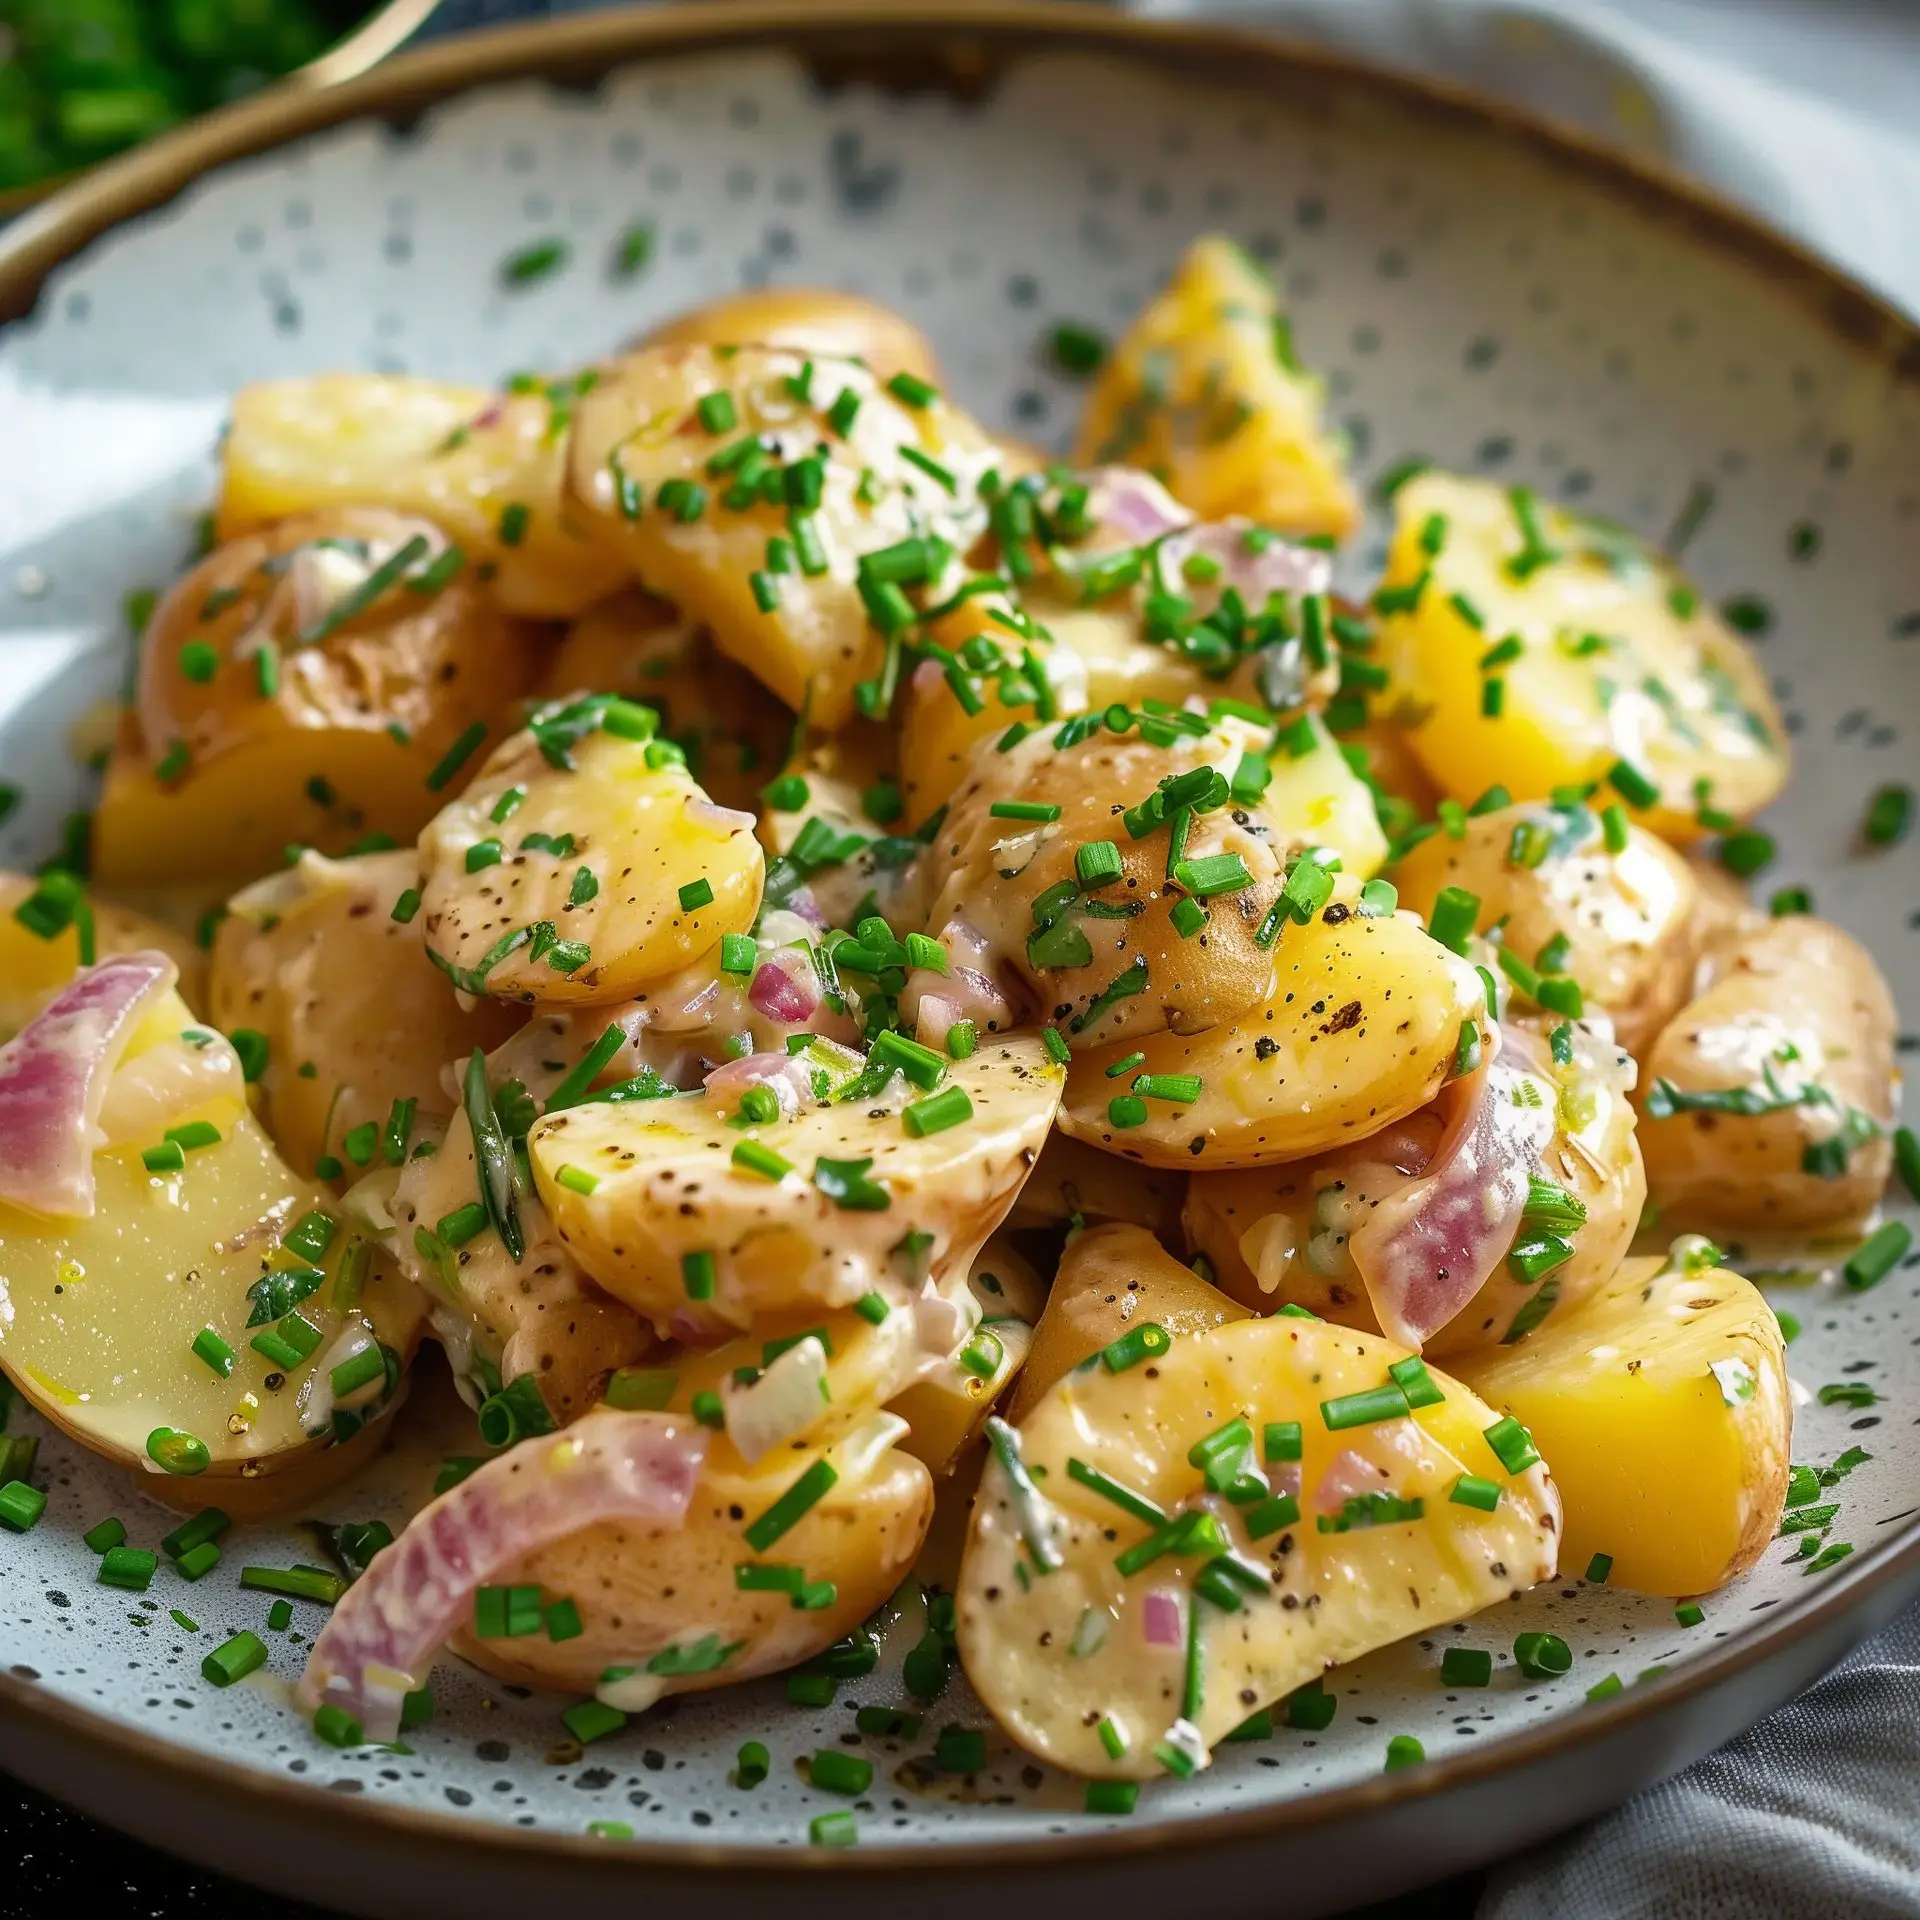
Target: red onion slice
785	1074
53	1080
1160	1619
785	987
382	1637
1426	1250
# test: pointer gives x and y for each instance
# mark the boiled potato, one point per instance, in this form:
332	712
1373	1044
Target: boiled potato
355	1019
1533	1148
731	729
849	864
1205	390
1614	660
582	863
653	1204
1140	1577
645	427
1320	801
1621	925
946	1406
1073	1183
105	1307
485	466
663	1608
837	326
376	668
38	959
1111	1279
987	867
1766	1103
1361	1025
1661	1405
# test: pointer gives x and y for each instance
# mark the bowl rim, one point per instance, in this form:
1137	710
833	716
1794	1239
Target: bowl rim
961	36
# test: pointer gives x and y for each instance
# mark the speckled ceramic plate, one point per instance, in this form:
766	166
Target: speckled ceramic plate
1475	290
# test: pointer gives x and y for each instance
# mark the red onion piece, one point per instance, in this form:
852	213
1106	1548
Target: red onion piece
785	987
53	1080
1426	1250
1160	1619
383	1635
935	1018
1279	566
964	992
1131	505
784	1073
716	819
1348	1476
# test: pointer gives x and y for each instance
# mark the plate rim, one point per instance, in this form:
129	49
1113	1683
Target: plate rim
960	36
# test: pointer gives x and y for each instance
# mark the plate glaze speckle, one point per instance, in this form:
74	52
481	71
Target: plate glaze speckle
1465	299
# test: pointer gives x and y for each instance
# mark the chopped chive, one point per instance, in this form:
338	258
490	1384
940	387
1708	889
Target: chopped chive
1466	1667
1469	1490
935	1114
695	895
456	756
234	1659
1870	1262
754	1156
1542	1656
1511	1443
792	1506
1455	914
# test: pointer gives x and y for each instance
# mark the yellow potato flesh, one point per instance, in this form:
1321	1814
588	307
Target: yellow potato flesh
641	428
98	1315
1204	391
1330	1595
665	1189
33	970
1320	801
354	1016
1661	1406
644	836
485	466
1361	1026
1608	668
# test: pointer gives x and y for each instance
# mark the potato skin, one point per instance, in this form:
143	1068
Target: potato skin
318	964
1197	392
840	326
1360	1027
345	743
1629	918
1796	984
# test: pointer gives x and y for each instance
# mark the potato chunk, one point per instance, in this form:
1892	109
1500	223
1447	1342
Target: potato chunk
1176	1584
302	686
1660	1403
1601	653
1361	1025
485	466
879	470
583	863
36	963
654	1203
1766	1103
353	1015
1205	390
1621	925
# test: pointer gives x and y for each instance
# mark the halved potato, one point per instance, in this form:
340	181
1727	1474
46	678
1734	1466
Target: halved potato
34	965
1007	861
1312	1232
1172	1541
1614	660
583	863
485	466
103	1310
897	470
354	1017
1205	390
730	728
1766	1103
837	326
1361	1025
664	1610
1661	1405
1620	924
303	686
650	1199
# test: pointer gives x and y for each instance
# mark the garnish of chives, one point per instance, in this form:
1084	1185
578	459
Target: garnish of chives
1470	1490
456	756
935	1114
1877	1256
1118	1492
1364	1409
792	1506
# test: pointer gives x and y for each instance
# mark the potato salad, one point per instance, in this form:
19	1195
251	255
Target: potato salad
892	1009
